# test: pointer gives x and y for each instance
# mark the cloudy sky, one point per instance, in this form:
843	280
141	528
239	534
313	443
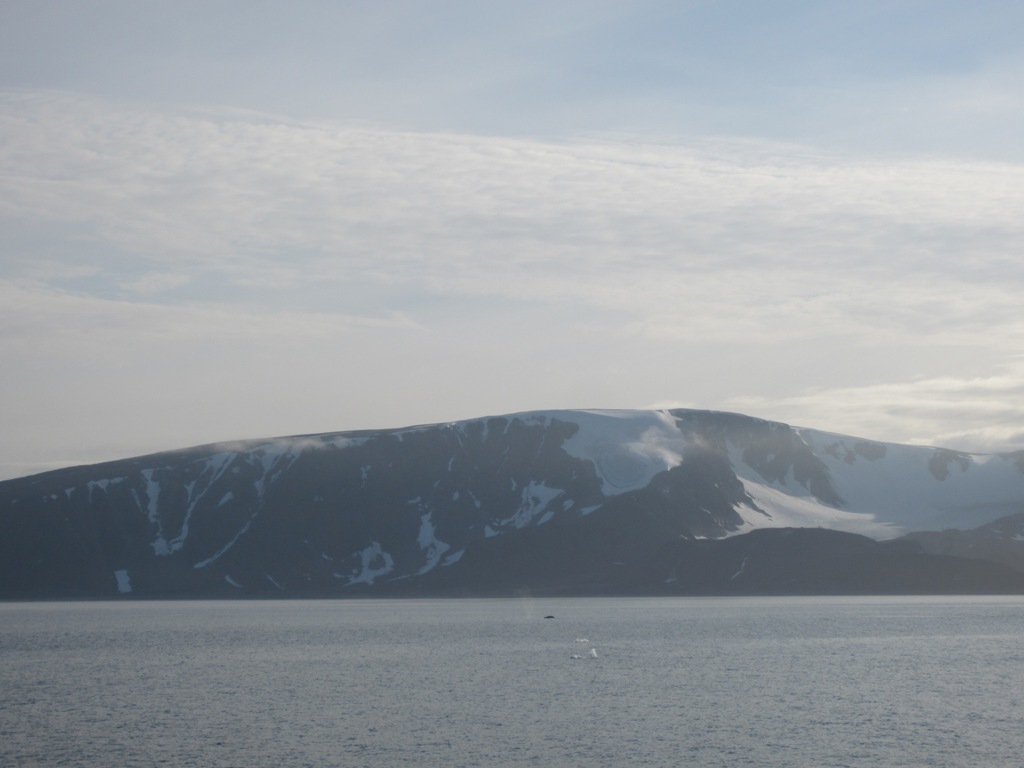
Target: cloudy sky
224	219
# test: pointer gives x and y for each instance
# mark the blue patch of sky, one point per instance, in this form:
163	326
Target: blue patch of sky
321	56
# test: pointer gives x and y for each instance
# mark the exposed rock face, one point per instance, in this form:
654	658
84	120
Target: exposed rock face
562	501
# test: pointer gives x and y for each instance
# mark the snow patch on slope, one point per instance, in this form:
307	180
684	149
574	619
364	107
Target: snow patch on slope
916	488
884	490
627	448
454	557
216	465
779	508
787	485
92	485
428	541
159	544
535	499
220	552
374	562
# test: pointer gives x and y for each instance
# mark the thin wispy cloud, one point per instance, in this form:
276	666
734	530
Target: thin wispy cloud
613	221
333	201
977	413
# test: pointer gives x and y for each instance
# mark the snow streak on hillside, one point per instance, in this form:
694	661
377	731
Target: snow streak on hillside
572	489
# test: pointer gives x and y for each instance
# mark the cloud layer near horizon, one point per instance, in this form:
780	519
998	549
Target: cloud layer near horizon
217	274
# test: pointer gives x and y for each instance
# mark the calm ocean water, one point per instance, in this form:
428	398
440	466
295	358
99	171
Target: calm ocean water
675	682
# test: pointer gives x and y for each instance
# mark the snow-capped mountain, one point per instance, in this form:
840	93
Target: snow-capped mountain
570	500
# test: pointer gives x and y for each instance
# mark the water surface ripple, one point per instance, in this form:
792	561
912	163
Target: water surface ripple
676	682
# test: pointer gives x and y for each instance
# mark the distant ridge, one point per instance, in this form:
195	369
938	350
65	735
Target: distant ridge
553	502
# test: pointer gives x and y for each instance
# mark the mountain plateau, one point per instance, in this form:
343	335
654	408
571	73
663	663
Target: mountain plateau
553	502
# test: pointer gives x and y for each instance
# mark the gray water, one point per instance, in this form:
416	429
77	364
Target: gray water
676	682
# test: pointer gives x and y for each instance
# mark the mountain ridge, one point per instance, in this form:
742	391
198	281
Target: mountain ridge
364	511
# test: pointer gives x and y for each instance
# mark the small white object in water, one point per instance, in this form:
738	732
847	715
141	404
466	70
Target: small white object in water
593	653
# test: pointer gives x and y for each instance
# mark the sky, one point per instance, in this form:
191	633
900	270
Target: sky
228	219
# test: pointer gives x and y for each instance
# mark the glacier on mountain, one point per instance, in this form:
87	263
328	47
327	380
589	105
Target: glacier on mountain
368	508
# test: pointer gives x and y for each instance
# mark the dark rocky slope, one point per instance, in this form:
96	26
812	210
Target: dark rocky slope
560	502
